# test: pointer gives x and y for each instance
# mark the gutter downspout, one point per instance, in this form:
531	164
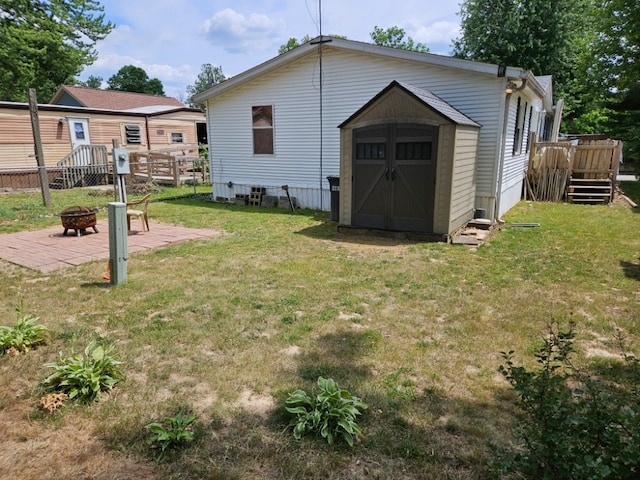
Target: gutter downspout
146	127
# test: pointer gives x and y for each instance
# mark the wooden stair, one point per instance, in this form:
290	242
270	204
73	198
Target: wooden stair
590	190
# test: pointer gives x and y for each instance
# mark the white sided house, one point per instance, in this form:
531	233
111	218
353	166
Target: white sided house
280	123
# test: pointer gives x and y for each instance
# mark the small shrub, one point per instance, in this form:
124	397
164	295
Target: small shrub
331	413
22	337
171	433
575	425
398	388
83	377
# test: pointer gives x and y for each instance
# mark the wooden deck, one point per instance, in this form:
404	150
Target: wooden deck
171	166
580	173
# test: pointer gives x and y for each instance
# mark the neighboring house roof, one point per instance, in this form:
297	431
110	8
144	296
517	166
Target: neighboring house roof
425	97
68	109
110	99
311	47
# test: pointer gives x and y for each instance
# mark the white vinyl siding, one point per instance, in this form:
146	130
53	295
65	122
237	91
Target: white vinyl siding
350	80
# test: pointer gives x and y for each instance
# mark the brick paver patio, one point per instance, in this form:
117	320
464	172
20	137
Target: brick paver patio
48	249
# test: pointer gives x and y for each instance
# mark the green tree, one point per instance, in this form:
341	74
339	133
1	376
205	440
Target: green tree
293	43
611	76
134	79
538	35
394	37
93	82
616	48
46	43
209	76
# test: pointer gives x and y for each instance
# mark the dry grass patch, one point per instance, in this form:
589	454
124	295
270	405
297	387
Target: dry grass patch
229	326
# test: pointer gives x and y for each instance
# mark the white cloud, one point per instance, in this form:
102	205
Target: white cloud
237	33
437	32
170	75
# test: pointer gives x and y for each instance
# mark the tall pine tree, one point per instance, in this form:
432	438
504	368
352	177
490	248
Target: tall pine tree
46	43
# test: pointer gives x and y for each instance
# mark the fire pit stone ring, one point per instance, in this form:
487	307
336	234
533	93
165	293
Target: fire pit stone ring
78	218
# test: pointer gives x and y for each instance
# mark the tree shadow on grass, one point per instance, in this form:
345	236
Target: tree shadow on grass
338	355
249	446
408	434
631	269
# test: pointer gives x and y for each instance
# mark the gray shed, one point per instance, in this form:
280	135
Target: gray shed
407	163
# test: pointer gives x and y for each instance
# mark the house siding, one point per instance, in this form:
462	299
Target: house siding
350	81
515	165
16	139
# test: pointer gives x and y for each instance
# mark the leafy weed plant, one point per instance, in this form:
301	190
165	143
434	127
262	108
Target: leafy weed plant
171	433
576	425
83	377
24	335
330	414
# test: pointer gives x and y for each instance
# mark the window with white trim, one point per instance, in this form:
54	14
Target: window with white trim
177	137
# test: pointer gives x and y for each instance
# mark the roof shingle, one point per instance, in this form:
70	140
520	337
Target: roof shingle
113	99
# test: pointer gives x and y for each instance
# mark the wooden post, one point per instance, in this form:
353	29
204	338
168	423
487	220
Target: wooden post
38	150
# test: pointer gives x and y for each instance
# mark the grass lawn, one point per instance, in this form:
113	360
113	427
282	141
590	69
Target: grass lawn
227	327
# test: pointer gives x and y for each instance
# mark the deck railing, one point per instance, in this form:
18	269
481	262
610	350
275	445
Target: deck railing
85	165
587	169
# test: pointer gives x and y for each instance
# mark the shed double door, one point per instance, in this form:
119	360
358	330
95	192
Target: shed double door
394	171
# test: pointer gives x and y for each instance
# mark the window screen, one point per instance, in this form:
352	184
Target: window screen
262	129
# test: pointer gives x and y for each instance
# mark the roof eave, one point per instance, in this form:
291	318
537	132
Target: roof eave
425	58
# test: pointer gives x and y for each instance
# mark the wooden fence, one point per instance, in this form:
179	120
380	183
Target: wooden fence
577	171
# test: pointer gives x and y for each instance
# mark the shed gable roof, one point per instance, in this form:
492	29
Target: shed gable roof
425	97
113	99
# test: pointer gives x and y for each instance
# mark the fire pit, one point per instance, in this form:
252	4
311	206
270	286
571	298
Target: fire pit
79	219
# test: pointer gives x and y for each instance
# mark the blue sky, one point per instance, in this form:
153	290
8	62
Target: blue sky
171	39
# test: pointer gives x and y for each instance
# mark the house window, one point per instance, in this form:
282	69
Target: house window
262	129
79	130
132	133
517	133
177	137
529	127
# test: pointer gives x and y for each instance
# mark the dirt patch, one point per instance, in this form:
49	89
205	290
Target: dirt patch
292	351
255	403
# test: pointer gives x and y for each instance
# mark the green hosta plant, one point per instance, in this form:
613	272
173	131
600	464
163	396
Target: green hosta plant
24	335
83	377
172	432
331	413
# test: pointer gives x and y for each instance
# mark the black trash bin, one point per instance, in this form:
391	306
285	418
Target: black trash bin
334	187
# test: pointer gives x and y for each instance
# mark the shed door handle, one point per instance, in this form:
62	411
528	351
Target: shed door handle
386	174
393	174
